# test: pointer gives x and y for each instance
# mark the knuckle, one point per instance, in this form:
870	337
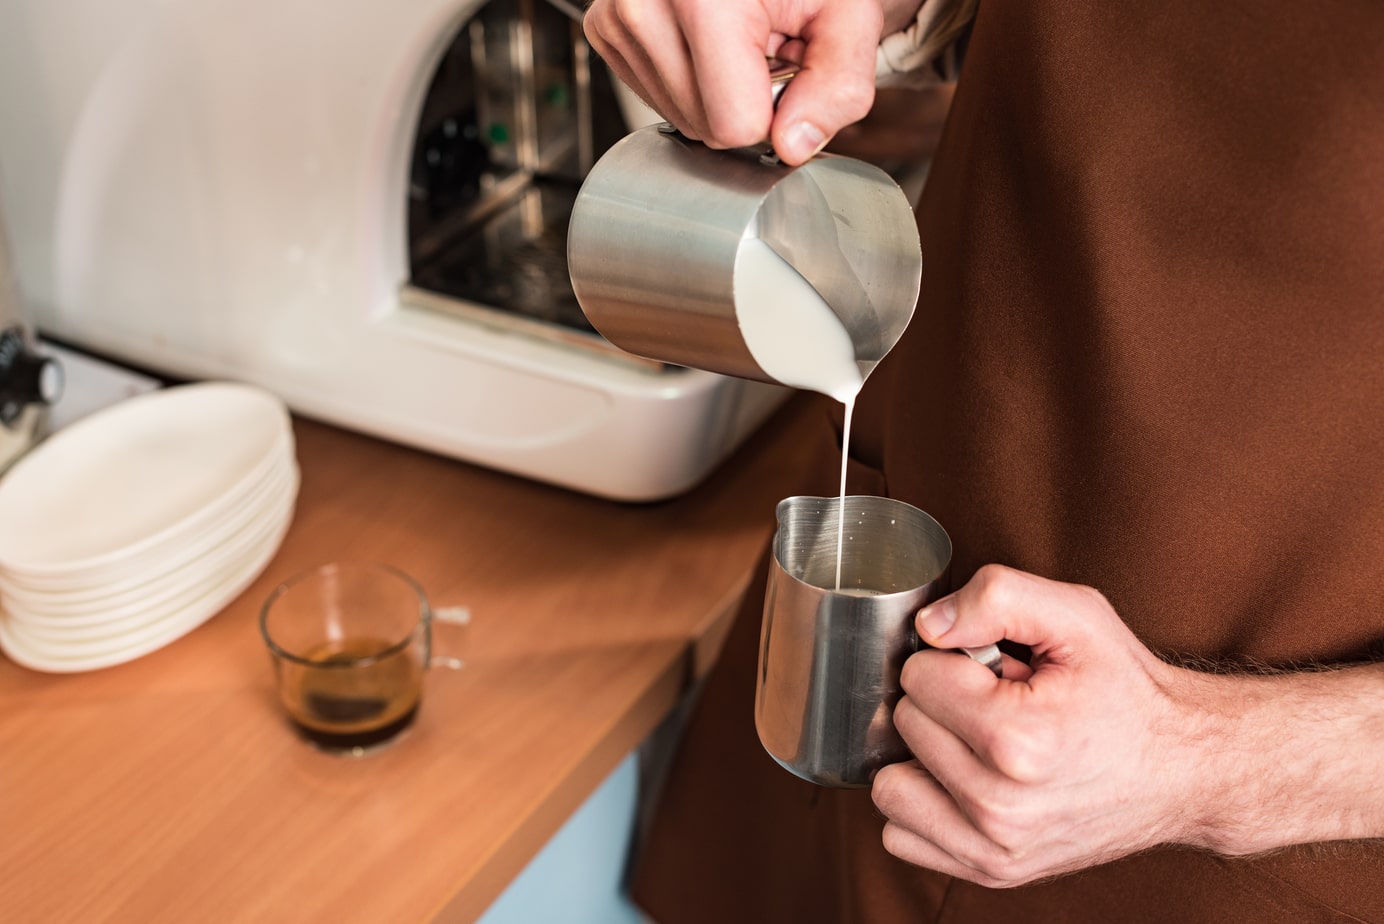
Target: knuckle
887	789
731	129
896	841
695	16
912	726
903	716
996	586
1024	754
853	98
1003	873
634	23
594	26
633	18
913	677
1004	865
1093	600
999	827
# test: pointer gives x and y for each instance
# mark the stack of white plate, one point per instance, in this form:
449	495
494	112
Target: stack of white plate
133	526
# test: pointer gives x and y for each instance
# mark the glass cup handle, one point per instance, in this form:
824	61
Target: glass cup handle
459	616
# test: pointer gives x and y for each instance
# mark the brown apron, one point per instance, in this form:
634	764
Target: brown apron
1148	357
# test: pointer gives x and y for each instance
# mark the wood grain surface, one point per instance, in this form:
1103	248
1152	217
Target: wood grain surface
171	788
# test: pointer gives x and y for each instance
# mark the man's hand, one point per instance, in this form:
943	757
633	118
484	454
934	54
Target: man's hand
1098	749
701	64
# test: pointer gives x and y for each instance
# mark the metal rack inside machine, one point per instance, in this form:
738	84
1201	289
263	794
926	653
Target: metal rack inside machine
518	110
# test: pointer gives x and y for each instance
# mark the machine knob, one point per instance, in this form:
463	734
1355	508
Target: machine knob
26	377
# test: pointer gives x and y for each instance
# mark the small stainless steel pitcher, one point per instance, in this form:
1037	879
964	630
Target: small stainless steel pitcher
658	222
829	660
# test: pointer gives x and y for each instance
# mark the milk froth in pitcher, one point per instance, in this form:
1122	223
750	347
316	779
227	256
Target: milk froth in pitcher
654	250
795	336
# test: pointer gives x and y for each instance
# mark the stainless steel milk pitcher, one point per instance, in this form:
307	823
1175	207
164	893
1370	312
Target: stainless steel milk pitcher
659	220
830	660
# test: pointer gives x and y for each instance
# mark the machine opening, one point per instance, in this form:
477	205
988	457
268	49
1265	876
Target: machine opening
518	110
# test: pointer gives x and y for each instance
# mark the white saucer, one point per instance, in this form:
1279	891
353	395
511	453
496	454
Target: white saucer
143	471
142	576
41	656
102	617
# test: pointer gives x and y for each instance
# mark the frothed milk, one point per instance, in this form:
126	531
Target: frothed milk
797	339
790	330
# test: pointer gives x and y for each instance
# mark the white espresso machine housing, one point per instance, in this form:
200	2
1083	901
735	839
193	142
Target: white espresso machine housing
260	190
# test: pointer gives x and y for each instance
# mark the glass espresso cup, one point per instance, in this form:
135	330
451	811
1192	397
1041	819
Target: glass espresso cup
350	644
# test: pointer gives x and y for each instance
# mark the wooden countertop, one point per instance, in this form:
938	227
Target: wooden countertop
171	789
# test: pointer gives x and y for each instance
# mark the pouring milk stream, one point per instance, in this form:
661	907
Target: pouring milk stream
795	337
733	262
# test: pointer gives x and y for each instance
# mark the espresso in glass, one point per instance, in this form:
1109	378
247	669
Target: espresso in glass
356	694
350	645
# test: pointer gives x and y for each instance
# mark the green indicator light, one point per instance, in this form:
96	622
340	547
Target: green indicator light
556	95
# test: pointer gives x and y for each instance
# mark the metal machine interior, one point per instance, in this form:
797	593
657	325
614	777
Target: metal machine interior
518	110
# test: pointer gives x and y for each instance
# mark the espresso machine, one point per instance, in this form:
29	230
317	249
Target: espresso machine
360	206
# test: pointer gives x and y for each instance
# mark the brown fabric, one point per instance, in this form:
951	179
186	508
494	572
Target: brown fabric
1149	357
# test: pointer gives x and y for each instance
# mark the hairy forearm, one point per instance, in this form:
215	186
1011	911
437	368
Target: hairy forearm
1283	759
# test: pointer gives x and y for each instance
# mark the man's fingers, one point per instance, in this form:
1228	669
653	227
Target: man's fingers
836	85
702	66
921	817
960	693
727	45
1002	603
626	36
